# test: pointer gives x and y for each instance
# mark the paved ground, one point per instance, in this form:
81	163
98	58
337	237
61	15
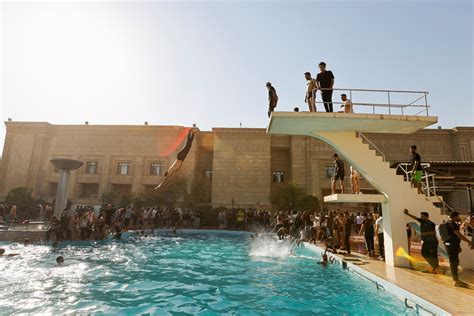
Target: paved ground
437	289
418	264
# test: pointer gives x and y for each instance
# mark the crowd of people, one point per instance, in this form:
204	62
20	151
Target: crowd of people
10	213
334	228
86	223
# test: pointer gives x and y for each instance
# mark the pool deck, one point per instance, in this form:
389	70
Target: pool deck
435	289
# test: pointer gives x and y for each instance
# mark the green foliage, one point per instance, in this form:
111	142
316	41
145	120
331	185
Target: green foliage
126	200
292	197
173	190
209	216
21	196
200	193
112	197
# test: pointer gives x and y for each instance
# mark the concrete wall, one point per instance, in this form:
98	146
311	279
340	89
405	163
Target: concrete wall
241	167
241	160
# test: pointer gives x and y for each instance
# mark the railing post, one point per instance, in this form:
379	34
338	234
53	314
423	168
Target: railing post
426	104
350	96
427	183
388	96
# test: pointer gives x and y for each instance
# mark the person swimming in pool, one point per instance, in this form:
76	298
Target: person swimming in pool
324	260
60	260
178	163
2	253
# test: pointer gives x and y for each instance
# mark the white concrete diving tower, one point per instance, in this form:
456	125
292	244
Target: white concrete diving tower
340	131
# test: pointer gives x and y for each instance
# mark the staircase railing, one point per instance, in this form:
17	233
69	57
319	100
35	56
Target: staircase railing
364	138
428	184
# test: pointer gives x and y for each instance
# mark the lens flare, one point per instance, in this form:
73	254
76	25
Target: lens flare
402	253
168	151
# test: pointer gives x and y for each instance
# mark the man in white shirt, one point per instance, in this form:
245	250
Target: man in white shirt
379	233
359	220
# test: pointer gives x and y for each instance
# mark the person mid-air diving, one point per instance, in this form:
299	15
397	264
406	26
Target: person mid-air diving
178	163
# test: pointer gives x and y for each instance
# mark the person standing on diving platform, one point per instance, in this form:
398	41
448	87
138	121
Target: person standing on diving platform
178	163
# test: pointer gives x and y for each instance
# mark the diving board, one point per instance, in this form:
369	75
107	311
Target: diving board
355	198
340	131
307	123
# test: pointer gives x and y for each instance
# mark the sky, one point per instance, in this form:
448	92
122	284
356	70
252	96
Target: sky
207	62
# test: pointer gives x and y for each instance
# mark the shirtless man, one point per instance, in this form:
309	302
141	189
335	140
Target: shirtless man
355	181
346	105
2	253
13	213
178	163
311	90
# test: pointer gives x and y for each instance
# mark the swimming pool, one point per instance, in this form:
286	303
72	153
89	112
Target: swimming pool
203	273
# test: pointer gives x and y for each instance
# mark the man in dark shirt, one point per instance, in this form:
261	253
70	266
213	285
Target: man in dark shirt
453	246
325	82
272	98
64	220
109	212
369	233
429	248
338	174
416	169
330	223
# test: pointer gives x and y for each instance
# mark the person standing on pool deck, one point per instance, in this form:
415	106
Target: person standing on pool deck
429	248
325	81
417	170
311	90
453	246
272	98
379	233
368	230
178	163
338	174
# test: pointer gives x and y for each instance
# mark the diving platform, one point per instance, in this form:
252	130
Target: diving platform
355	198
308	123
342	131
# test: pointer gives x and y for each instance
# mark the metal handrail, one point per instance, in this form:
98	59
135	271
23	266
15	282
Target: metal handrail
362	136
424	96
429	190
381	105
374	90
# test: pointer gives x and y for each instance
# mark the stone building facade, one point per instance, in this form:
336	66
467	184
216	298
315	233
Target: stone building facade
244	165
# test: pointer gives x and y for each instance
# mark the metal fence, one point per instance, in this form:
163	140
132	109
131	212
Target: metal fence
391	102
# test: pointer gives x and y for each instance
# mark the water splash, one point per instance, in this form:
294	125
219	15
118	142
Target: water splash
268	246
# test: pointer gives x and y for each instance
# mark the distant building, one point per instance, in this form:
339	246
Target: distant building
243	166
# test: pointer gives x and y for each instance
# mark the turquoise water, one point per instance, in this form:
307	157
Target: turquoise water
204	273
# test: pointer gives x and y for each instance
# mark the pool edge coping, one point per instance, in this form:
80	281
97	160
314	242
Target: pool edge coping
387	286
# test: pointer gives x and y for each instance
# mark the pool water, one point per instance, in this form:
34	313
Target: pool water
186	273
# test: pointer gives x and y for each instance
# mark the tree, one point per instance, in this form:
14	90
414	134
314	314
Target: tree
21	196
292	197
173	190
200	193
168	194
111	197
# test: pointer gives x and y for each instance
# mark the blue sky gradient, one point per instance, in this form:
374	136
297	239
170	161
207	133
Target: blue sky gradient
179	63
